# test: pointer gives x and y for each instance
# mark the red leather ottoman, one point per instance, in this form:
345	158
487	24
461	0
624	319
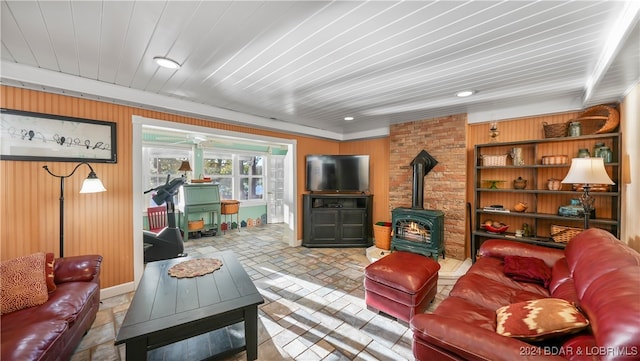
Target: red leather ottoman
401	284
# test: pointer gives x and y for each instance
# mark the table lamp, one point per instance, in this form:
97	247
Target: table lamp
185	167
588	172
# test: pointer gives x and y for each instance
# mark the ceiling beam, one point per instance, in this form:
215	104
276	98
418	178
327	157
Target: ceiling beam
615	41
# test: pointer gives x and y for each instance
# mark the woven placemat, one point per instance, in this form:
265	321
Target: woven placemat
195	267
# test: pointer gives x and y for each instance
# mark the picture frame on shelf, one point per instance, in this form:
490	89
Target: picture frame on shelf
30	136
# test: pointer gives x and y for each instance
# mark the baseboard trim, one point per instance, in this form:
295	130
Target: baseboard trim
117	290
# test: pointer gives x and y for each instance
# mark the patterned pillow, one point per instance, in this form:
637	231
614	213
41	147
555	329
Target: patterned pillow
527	269
48	272
537	320
23	283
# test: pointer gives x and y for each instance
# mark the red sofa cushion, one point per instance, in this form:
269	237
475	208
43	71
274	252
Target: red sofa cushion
31	340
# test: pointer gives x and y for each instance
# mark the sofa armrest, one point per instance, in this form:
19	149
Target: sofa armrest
85	268
499	248
474	343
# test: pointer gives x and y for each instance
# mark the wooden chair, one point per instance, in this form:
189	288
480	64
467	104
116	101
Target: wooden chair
157	218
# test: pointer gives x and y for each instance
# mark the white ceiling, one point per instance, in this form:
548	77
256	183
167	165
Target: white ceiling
302	66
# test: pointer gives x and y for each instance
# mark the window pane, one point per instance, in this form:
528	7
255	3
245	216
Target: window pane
159	168
158	163
251	188
218	166
225	186
251	165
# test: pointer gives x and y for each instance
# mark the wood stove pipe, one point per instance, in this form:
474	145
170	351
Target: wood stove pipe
422	164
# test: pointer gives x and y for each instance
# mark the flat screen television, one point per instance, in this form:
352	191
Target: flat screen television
337	173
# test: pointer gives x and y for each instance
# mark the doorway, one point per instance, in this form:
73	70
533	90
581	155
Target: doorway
284	190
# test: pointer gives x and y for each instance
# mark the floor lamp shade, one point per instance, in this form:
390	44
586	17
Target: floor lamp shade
90	185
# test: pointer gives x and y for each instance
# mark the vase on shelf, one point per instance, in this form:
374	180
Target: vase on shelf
519	183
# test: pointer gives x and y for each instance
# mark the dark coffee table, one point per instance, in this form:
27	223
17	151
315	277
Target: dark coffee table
166	309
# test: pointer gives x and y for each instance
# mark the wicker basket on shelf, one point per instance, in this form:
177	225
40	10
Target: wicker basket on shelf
557	130
494	160
599	119
563	234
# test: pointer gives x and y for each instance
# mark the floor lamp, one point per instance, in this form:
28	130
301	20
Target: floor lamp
587	172
90	185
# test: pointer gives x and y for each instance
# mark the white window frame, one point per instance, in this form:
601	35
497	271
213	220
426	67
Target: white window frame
148	151
235	156
264	177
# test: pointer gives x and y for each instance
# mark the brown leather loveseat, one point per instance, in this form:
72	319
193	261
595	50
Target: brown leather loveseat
53	330
596	273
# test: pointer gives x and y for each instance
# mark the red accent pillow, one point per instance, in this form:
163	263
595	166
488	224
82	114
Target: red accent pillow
48	272
527	269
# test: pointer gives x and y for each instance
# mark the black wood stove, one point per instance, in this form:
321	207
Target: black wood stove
416	229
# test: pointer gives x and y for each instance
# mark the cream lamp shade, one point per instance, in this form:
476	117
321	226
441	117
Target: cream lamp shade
588	171
92	184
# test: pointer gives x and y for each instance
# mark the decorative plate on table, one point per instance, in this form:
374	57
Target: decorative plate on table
195	267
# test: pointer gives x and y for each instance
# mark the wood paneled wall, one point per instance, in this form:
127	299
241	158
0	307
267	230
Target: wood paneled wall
100	223
511	130
378	150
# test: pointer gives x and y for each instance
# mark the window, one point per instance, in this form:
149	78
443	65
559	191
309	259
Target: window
220	169
161	162
251	177
240	176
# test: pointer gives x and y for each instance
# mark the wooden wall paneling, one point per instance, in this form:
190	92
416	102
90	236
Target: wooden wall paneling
378	150
101	223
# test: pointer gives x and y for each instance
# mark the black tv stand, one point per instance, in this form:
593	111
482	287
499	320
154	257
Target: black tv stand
337	220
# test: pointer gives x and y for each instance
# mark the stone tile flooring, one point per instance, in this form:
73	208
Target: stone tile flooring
314	305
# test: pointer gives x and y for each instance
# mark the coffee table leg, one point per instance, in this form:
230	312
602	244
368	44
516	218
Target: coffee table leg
251	332
136	350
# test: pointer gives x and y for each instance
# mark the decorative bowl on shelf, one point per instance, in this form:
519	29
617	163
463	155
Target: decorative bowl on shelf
492	229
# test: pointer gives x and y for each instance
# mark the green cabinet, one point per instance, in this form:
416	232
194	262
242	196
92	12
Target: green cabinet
199	201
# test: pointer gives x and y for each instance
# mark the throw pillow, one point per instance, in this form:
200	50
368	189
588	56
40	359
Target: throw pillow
538	320
23	283
48	272
527	269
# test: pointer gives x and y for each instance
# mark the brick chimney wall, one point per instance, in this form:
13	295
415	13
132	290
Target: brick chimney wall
445	186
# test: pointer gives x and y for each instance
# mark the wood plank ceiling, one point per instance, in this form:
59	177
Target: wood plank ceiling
305	65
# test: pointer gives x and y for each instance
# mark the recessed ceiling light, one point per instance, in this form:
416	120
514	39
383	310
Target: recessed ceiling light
465	93
348	118
166	62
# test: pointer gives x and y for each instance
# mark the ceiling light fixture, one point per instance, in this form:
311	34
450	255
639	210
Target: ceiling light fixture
348	119
166	62
465	93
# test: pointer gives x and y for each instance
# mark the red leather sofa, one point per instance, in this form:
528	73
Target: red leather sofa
596	272
53	330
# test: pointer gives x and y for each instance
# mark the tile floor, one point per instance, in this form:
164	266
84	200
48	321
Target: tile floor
314	305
